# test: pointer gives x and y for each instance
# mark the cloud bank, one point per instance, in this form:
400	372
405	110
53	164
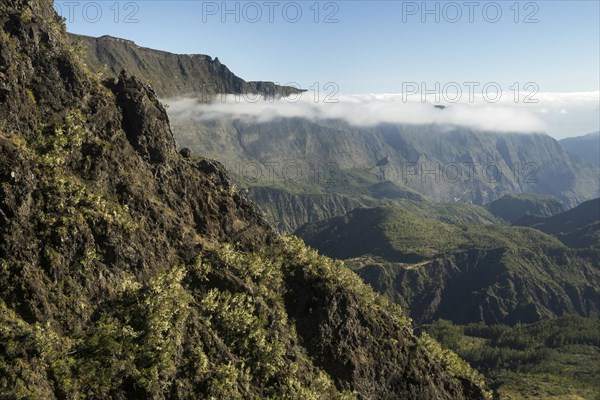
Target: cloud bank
372	109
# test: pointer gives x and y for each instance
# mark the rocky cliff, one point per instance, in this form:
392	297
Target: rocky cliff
441	163
171	75
129	271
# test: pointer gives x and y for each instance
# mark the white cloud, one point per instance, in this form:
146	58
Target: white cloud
372	109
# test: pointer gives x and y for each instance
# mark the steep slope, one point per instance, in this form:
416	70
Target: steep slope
578	227
130	271
287	211
586	147
497	274
441	163
171	75
511	207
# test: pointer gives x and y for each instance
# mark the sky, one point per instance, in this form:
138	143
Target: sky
357	47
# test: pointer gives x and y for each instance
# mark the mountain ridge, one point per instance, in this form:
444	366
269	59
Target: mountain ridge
513	207
586	147
509	274
128	270
171	75
578	227
460	165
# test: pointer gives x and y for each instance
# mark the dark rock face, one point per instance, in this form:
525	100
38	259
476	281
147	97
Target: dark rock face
185	152
143	116
339	322
128	271
124	148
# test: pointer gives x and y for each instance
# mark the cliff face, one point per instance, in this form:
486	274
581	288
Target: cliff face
171	75
130	271
458	164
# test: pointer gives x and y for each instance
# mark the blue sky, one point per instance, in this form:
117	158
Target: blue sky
369	46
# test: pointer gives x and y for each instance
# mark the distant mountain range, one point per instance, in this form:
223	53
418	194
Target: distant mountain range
438	163
459	164
578	228
586	147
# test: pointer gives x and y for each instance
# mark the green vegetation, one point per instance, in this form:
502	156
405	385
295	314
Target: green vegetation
129	271
578	227
508	274
215	329
288	204
455	213
495	273
399	232
552	359
450	360
512	207
230	343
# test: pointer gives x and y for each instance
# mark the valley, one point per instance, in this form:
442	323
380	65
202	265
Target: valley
159	241
484	238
